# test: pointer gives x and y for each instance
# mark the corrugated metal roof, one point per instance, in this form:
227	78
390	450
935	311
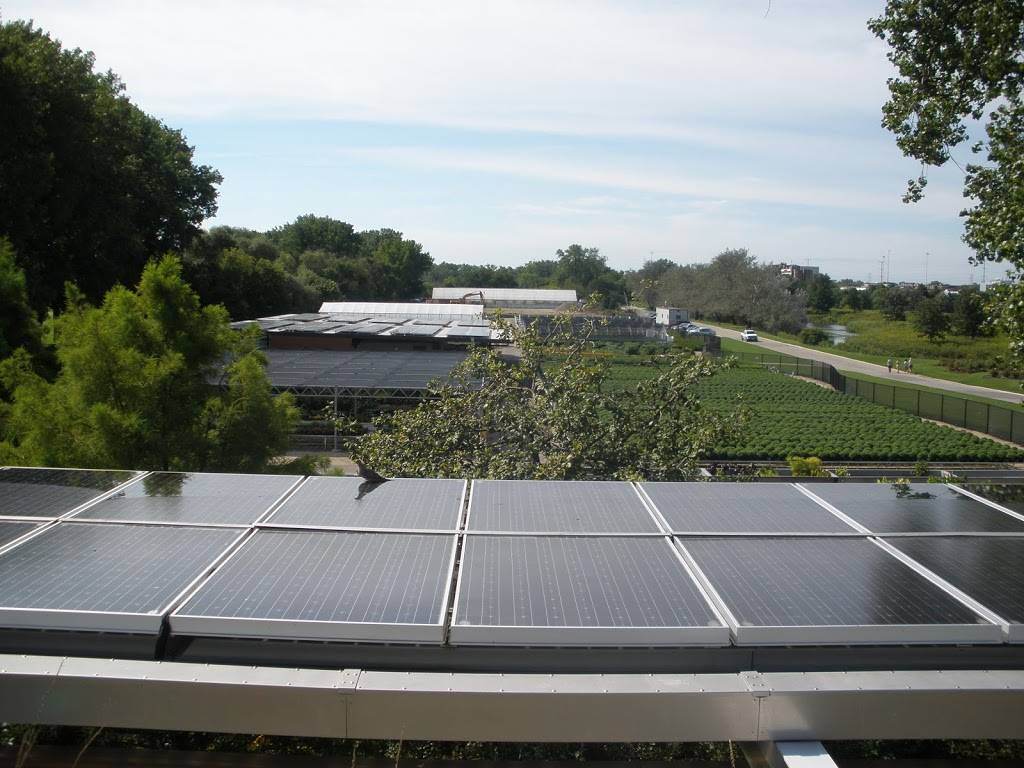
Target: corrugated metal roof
406	310
545	295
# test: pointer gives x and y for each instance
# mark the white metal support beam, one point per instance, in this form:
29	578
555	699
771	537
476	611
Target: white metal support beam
744	707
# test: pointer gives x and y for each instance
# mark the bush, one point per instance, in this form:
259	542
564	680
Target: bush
813	336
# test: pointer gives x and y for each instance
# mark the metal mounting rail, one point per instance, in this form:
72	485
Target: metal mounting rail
745	707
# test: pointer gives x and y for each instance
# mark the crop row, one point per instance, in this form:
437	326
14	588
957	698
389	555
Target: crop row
794	417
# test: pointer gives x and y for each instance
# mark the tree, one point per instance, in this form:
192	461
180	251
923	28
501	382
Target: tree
961	61
317	233
968	316
19	327
892	302
930	318
248	286
586	270
138	386
91	187
821	293
551	416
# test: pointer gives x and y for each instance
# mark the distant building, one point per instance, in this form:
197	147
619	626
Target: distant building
670	315
506	298
797	272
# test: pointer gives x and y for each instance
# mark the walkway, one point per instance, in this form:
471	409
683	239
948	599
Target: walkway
849	365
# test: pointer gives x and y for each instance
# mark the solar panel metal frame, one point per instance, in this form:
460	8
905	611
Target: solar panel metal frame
74	620
269	510
139	474
550	636
304	629
854	531
852	634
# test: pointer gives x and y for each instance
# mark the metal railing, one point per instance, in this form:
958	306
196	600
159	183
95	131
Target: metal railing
989	418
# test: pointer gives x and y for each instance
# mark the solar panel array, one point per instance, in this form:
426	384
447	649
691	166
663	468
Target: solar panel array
358	370
508	563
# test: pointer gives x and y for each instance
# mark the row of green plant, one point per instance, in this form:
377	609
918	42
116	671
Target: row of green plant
790	417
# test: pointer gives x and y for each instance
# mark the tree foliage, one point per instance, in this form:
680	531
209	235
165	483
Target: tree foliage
930	318
139	386
551	416
91	187
961	62
19	327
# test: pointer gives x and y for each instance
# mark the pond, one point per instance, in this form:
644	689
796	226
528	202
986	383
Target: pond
837	334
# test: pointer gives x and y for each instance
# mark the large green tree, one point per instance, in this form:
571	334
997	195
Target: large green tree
551	415
960	66
150	379
91	187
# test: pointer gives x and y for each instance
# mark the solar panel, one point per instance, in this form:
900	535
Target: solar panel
990	570
10	531
761	508
580	591
193	498
116	578
914	508
327	586
350	502
50	493
558	507
1009	495
830	591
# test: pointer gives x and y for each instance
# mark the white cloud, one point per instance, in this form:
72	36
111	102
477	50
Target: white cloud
660	69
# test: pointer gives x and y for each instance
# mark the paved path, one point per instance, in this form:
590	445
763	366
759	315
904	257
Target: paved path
870	369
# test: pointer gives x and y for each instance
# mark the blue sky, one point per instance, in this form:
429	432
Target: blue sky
498	132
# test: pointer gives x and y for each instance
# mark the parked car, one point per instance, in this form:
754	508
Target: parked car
699	330
749	335
682	327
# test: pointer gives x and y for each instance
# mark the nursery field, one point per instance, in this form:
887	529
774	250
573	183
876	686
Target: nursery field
794	417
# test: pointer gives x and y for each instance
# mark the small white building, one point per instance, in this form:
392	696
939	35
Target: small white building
671	315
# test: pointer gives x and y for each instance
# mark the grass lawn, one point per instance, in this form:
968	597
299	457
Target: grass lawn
878	338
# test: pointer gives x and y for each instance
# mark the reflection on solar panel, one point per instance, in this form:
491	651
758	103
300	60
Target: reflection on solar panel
10	531
741	508
307	317
579	591
914	508
117	578
1008	495
990	570
193	498
558	507
350	502
50	493
830	591
327	586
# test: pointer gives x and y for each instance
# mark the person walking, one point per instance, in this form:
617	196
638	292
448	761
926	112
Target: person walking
888	364
910	365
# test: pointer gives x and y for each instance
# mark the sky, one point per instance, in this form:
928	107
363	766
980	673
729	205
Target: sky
499	132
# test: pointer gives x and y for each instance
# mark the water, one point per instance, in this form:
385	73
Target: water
837	334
